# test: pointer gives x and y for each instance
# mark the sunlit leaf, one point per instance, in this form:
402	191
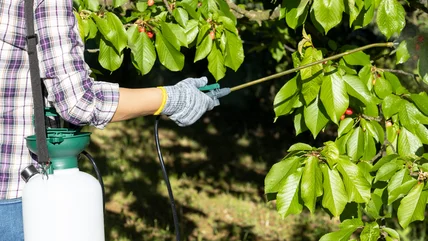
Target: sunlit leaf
335	196
412	206
287	199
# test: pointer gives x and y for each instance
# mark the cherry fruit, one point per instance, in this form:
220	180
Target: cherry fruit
150	34
150	2
212	35
349	111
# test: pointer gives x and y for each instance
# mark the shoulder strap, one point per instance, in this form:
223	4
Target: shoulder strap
36	85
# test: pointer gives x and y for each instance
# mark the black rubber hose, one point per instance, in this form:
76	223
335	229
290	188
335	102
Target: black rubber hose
168	185
98	173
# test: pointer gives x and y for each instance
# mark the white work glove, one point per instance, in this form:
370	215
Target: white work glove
185	103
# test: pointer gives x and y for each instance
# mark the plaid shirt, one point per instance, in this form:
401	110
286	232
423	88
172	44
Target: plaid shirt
77	98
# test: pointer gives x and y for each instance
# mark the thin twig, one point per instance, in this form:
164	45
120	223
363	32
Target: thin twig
399	72
289	48
167	6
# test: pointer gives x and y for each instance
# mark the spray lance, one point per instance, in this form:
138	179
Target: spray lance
214	91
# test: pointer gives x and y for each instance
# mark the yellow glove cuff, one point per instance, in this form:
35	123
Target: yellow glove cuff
164	97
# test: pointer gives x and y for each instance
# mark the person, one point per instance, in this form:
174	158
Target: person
77	98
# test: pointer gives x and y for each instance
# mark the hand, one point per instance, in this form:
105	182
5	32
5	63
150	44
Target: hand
185	103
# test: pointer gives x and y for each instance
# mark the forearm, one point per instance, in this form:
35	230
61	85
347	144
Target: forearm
137	102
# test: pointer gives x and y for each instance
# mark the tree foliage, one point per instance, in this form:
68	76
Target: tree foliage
375	170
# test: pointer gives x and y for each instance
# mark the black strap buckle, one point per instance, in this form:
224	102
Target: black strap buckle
34	36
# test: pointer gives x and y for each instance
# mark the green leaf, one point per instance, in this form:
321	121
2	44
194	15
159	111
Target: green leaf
410	115
287	199
370	232
141	6
391	105
112	29
409	144
335	196
331	153
391	17
311	186
174	34
412	206
356	88
190	6
402	53
311	87
108	57
208	6
234	55
366	15
370	149
181	16
353	10
421	101
401	190
357	58
92	29
81	28
299	122
422	133
392	233
365	168
315	117
383	160
374	206
311	55
299	147
395	83
275	179
226	11
356	185
328	12
386	171
191	31
341	235
168	55
204	48
296	12
382	88
355	145
345	126
92	5
143	52
228	24
216	63
334	96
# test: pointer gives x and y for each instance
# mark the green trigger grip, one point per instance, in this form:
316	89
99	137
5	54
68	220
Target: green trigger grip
210	87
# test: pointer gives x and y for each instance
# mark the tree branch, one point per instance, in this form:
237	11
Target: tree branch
419	6
167	6
257	16
399	72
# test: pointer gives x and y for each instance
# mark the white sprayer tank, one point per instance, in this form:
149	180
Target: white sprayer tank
66	206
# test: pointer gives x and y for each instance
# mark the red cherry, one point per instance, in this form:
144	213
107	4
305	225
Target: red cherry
141	29
421	38
150	2
349	111
212	35
342	117
150	34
